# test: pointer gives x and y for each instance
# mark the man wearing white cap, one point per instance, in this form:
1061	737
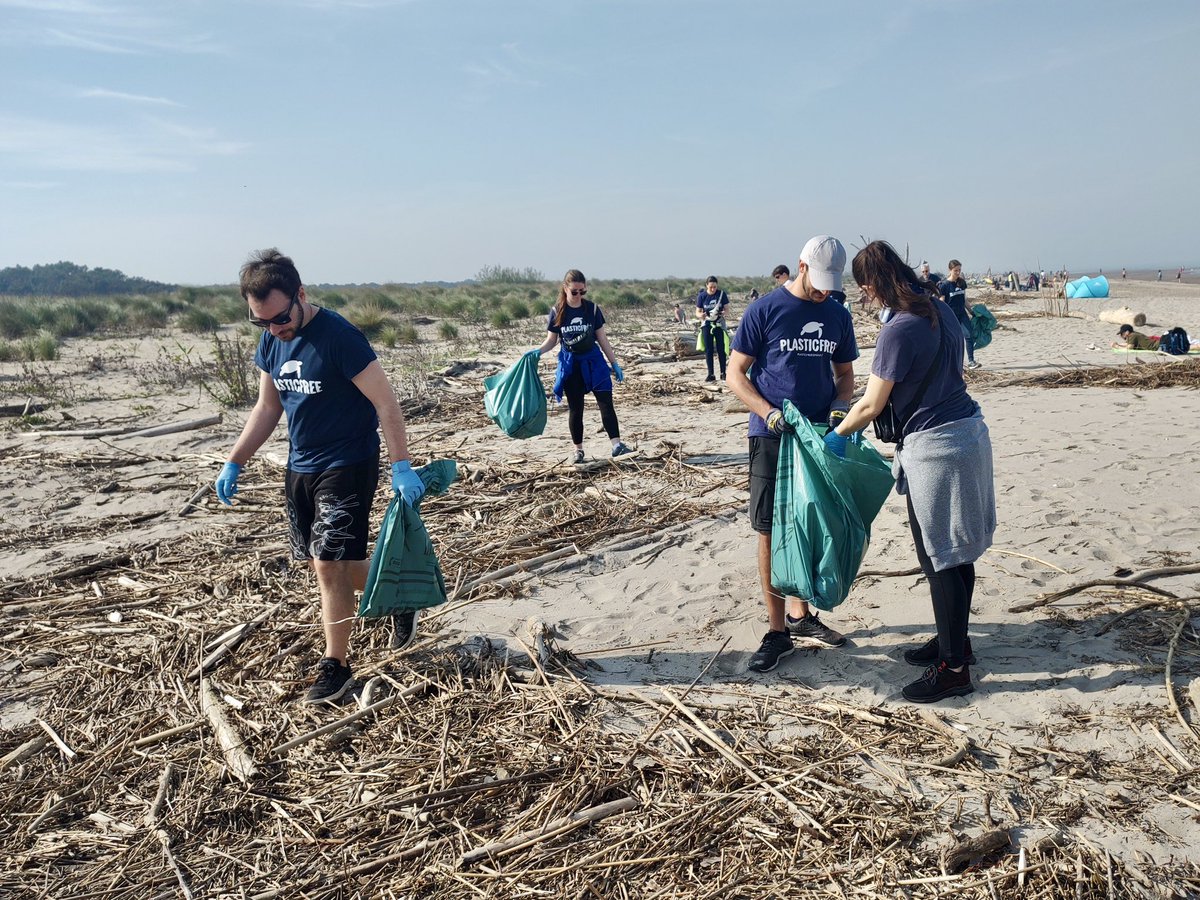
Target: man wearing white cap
791	345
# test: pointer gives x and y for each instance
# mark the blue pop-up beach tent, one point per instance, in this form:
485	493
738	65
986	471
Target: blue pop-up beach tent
1082	288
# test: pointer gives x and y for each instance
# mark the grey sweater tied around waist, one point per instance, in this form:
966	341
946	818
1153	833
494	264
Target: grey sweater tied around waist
947	474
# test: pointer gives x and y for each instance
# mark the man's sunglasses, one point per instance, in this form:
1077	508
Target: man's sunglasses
282	319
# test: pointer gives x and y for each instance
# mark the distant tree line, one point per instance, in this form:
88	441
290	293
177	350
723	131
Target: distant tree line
64	279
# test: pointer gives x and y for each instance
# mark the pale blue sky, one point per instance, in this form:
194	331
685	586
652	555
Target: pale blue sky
405	141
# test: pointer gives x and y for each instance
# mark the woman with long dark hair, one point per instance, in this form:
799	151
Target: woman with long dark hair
583	360
943	461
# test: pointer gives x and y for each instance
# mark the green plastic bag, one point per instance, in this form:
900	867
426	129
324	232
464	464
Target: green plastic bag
983	323
724	331
404	571
515	399
824	507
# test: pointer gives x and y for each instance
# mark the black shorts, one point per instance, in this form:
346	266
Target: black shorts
329	513
764	460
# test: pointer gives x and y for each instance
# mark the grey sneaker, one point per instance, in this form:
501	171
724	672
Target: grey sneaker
404	624
974	365
621	450
579	457
776	645
812	629
332	680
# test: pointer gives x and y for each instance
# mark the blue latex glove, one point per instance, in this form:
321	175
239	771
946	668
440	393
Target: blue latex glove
227	482
407	482
536	352
836	444
617	371
777	424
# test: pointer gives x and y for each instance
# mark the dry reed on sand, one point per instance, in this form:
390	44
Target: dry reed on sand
137	687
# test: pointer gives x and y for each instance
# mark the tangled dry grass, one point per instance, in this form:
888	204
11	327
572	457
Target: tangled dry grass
1176	372
162	753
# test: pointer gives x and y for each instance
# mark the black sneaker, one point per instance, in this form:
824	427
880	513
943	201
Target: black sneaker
404	624
332	680
621	449
710	378
579	457
775	646
811	628
938	683
930	653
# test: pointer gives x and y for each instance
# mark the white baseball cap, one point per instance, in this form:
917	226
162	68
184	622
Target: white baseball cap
826	260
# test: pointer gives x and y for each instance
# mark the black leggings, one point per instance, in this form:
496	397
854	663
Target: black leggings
574	389
713	335
951	590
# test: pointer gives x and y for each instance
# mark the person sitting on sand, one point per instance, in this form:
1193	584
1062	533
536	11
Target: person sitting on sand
1134	340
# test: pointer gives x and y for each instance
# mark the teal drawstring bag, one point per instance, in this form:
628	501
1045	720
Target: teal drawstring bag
515	399
404	571
824	507
983	323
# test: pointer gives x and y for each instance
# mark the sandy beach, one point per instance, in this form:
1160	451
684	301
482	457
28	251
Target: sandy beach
1083	729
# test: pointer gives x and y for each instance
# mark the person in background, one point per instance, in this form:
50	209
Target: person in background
791	345
710	312
1160	274
926	279
1179	274
680	315
943	461
782	275
583	360
1134	340
321	371
954	294
1122	273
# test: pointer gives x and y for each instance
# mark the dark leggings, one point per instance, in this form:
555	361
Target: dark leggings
713	336
951	590
574	389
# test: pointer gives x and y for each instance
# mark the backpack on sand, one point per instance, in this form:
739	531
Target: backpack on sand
1175	342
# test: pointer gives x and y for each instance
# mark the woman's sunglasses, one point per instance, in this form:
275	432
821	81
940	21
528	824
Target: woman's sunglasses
282	319
578	293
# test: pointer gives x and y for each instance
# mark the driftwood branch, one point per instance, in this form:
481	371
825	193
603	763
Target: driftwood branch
974	850
550	829
1133	581
231	642
230	741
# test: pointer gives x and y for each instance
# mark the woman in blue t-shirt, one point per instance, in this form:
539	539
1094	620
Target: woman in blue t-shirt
583	360
943	462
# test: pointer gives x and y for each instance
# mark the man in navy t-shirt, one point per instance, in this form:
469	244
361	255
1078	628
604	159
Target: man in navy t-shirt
796	344
319	369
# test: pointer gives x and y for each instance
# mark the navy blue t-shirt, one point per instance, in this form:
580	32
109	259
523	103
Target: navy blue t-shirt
794	343
954	293
712	304
577	333
904	351
330	422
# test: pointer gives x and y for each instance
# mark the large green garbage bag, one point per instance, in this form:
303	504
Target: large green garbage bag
516	400
404	571
983	323
824	507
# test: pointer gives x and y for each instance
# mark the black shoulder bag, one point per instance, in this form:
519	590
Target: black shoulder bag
889	427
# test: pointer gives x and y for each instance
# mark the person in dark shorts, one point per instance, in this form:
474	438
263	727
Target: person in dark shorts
320	370
584	361
791	345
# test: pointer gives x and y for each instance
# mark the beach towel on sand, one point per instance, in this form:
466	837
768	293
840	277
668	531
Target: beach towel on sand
404	571
824	507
